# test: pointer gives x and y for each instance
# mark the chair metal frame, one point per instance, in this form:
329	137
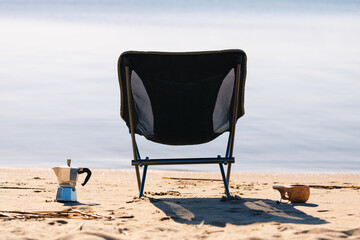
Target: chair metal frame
227	160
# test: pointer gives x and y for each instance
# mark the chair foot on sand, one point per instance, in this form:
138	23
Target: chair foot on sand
225	181
155	162
143	181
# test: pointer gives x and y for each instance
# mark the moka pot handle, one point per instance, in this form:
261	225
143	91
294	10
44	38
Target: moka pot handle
83	170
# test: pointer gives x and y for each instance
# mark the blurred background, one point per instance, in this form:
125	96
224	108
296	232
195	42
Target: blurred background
60	97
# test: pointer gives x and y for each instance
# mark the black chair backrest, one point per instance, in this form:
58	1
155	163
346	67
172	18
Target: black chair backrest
182	98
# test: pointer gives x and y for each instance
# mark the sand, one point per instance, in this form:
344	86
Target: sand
179	209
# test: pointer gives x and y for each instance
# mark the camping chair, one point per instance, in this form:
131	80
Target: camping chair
182	99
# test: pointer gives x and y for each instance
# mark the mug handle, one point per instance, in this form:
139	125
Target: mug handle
283	191
88	172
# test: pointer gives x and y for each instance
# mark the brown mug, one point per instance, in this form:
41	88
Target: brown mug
294	193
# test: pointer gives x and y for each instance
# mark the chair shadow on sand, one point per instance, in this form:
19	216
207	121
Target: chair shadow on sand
244	211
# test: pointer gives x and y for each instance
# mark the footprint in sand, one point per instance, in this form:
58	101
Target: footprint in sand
83	208
90	235
353	232
332	233
323	210
58	222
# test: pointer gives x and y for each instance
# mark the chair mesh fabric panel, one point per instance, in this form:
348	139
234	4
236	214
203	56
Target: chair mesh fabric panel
181	98
221	121
143	107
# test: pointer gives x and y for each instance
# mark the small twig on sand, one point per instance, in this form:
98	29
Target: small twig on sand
79	227
67	213
11	187
194	179
333	187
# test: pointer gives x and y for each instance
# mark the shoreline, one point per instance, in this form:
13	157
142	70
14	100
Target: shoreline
199	171
179	209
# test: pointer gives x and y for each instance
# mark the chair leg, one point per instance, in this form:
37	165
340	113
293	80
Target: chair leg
138	176
228	173
225	181
143	181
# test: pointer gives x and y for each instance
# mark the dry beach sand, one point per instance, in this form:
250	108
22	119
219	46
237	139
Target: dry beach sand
176	209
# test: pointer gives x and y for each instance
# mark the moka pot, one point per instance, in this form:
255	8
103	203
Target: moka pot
67	176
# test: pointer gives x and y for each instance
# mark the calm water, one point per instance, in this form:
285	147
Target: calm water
59	95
